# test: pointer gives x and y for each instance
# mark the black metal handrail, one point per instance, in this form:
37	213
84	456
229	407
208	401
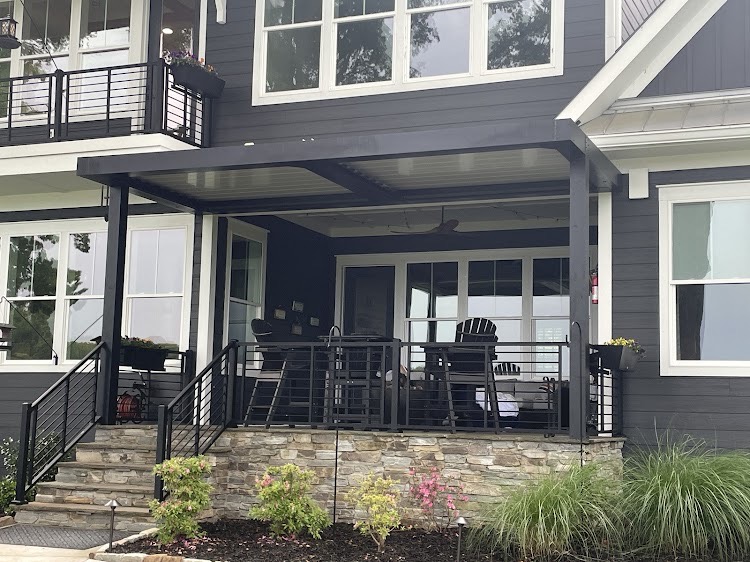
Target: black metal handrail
101	102
55	422
198	415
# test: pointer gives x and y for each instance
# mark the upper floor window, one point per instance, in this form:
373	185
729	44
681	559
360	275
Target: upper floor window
318	49
73	34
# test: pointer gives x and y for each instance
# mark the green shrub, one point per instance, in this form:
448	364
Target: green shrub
572	512
683	499
7	495
189	495
378	500
285	502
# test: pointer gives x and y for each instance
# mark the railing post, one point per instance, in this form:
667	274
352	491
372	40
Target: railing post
22	464
161	442
395	388
229	420
158	99
66	406
59	82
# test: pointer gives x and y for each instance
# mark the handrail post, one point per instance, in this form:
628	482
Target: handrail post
59	81
161	442
395	387
229	420
22	464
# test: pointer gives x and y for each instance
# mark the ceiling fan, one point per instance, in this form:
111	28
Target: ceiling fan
445	227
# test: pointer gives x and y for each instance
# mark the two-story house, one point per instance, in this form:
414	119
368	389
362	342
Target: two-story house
375	173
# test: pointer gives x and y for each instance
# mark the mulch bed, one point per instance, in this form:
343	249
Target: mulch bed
244	540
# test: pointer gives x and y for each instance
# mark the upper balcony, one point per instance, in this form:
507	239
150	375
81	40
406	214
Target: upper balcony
102	102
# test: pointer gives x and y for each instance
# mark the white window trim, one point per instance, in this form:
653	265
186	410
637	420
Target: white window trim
668	197
136	49
256	234
401	81
64	228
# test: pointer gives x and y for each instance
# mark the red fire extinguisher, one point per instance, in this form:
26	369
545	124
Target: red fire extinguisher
595	287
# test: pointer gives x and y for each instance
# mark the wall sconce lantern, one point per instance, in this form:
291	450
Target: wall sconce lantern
6	341
8	39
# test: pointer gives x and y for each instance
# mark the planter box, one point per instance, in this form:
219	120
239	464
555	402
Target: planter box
618	357
143	359
198	80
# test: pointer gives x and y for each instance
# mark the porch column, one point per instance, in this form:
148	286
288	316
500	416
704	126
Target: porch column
114	281
579	294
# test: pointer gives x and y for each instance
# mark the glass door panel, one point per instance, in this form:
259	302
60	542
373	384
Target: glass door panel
368	300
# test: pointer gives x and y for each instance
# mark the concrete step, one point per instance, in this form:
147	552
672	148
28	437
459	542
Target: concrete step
127	495
83	516
136	474
118	454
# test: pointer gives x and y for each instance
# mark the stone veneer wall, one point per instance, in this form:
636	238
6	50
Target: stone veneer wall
488	465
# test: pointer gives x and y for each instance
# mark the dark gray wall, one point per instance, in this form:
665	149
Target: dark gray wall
230	50
634	13
716	409
717	58
16	388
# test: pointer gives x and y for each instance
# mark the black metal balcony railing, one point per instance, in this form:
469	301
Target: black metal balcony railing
101	102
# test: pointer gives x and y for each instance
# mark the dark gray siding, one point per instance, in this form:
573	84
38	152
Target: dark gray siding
716	409
16	388
717	58
634	13
230	50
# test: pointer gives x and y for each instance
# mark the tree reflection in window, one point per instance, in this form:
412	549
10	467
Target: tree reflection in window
519	34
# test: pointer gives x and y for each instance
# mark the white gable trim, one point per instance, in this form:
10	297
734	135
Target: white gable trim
642	57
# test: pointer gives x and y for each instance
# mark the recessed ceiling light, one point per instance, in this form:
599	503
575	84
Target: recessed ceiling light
250	144
167	31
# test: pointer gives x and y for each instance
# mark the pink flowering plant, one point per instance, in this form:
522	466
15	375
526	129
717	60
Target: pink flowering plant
284	502
189	495
436	497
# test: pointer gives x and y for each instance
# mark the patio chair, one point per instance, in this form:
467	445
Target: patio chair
466	369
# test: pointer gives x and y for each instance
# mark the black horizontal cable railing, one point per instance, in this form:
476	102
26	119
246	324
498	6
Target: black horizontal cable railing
521	386
198	415
100	102
605	402
56	421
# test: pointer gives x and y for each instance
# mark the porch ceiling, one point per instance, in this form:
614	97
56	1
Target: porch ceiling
459	164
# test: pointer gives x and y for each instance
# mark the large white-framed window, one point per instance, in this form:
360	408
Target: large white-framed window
704	279
524	292
53	273
322	49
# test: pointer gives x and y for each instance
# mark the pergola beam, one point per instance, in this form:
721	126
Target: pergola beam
355	183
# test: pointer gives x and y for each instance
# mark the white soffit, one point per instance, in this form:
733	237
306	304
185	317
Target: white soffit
639	60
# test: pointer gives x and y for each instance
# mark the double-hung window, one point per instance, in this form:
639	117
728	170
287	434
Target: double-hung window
53	275
320	49
705	279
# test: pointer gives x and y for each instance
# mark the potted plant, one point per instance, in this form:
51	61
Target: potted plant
194	74
142	354
620	354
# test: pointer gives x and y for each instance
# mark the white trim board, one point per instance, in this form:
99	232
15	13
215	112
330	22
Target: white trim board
641	59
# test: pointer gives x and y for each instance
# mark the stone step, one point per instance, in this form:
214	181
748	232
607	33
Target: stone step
83	516
119	454
136	474
127	495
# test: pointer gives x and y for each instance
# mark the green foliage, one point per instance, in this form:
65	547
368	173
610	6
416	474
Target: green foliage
562	513
46	447
285	502
189	495
376	497
683	499
7	494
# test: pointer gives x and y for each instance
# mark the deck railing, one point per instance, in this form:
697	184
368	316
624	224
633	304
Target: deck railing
56	421
101	102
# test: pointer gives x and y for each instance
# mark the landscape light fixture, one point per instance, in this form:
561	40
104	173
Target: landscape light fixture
112	504
8	39
461	522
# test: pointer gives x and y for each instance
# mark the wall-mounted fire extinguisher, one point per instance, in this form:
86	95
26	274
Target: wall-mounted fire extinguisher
595	287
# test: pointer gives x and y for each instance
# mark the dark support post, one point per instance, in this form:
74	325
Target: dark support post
114	280
22	468
161	449
231	383
59	77
156	7
579	295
